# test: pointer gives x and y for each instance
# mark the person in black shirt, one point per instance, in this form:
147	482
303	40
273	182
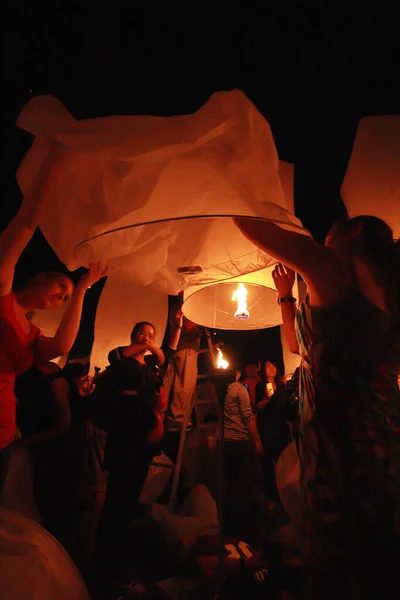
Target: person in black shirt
134	434
271	401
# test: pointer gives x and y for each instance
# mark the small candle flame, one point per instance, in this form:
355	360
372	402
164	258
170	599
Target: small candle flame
239	295
221	363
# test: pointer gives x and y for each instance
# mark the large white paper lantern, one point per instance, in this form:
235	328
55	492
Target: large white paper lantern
150	195
372	182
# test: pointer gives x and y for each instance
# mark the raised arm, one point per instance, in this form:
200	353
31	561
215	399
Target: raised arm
49	348
317	265
133	350
284	279
22	227
175	324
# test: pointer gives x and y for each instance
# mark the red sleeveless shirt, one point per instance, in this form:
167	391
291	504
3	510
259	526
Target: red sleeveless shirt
16	356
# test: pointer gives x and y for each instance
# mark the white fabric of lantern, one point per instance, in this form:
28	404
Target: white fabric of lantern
149	195
48	321
34	566
211	305
372	182
122	304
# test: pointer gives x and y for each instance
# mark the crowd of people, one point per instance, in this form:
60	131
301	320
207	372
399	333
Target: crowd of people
92	441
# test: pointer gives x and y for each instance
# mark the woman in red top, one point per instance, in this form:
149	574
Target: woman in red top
22	343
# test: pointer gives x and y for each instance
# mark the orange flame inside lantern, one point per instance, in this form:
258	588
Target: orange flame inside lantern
239	295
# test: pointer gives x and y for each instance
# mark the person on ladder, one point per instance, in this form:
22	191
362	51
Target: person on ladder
180	383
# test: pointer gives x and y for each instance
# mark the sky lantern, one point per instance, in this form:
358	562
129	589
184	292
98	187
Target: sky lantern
372	182
154	197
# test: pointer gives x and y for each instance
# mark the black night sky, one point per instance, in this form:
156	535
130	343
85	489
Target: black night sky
313	69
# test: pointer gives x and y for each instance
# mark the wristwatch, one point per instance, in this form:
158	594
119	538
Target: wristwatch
289	299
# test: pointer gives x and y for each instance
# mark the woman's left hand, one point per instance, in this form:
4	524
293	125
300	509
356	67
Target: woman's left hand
96	271
284	279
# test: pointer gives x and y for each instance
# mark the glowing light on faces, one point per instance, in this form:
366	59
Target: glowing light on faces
239	295
221	363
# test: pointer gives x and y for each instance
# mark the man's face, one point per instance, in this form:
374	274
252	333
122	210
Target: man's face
189	325
251	370
84	385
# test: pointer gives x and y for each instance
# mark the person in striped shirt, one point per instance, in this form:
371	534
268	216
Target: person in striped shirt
242	449
239	422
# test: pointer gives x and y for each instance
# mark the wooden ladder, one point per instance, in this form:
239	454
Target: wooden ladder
199	406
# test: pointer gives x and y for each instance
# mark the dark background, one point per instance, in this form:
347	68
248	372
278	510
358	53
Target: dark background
313	69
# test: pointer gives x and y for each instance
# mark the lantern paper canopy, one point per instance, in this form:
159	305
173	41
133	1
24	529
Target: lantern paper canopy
154	196
122	304
212	305
372	182
48	321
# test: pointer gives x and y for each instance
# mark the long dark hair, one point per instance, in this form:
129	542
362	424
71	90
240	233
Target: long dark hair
375	245
278	376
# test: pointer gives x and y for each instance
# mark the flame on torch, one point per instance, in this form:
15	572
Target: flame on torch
239	295
221	363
